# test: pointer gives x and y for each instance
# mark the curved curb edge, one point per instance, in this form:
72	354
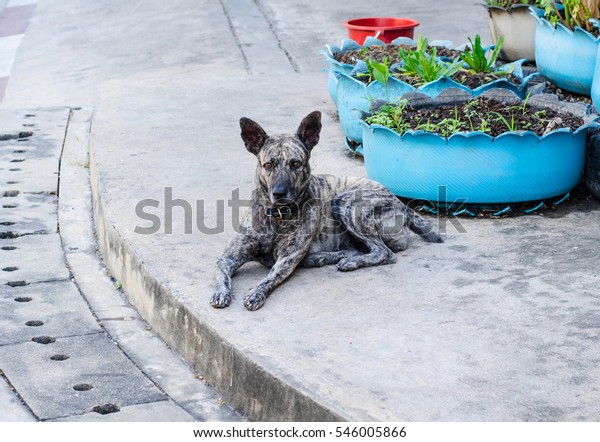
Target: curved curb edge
248	387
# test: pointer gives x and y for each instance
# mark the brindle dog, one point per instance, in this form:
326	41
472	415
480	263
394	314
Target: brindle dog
311	220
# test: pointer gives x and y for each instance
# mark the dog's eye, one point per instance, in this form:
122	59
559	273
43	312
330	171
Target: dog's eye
268	166
296	164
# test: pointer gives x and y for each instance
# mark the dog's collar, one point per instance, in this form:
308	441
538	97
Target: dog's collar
282	212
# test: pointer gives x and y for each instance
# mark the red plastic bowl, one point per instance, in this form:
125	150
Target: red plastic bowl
385	29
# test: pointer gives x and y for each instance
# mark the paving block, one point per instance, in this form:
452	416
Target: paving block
32	258
45	126
11	408
26	214
164	411
72	376
30	148
31	175
54	309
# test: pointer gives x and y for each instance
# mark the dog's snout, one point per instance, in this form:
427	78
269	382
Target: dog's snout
280	190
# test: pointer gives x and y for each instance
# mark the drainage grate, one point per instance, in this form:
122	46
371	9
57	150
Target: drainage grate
9	235
106	409
17	283
17	136
44	340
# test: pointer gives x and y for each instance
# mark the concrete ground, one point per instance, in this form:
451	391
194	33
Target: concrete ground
500	323
70	344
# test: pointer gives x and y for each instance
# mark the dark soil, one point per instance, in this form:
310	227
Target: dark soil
378	53
566	95
448	53
488	111
472	81
374	52
390	51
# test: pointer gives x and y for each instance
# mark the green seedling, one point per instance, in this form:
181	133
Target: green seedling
426	66
467	118
391	116
376	71
476	57
510	125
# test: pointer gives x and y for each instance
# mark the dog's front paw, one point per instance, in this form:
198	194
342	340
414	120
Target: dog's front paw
347	265
255	300
220	299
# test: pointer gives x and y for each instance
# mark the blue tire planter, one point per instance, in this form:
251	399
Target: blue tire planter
354	97
595	92
566	58
475	167
334	66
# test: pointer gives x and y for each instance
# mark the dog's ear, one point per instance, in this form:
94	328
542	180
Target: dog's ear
309	130
253	135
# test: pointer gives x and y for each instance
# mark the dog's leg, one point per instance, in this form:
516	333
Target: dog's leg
379	254
282	269
321	259
289	252
422	227
240	250
361	213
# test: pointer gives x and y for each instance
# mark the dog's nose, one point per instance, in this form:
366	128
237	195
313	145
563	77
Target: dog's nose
280	190
279	195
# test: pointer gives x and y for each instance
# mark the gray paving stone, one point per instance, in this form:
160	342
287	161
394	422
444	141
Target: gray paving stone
164	411
11	408
33	214
36	258
19	153
47	124
28	182
58	305
46	385
33	175
160	363
40	152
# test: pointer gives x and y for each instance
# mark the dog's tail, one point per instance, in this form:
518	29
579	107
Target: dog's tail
422	227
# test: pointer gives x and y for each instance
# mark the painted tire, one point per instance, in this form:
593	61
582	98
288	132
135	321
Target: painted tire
354	97
566	58
475	167
595	93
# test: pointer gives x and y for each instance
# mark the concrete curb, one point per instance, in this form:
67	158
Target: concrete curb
159	363
247	386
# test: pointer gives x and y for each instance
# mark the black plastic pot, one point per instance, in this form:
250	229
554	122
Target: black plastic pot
592	168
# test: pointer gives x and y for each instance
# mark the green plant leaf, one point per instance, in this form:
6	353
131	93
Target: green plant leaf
381	72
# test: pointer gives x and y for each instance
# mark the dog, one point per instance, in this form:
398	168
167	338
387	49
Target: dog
300	219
